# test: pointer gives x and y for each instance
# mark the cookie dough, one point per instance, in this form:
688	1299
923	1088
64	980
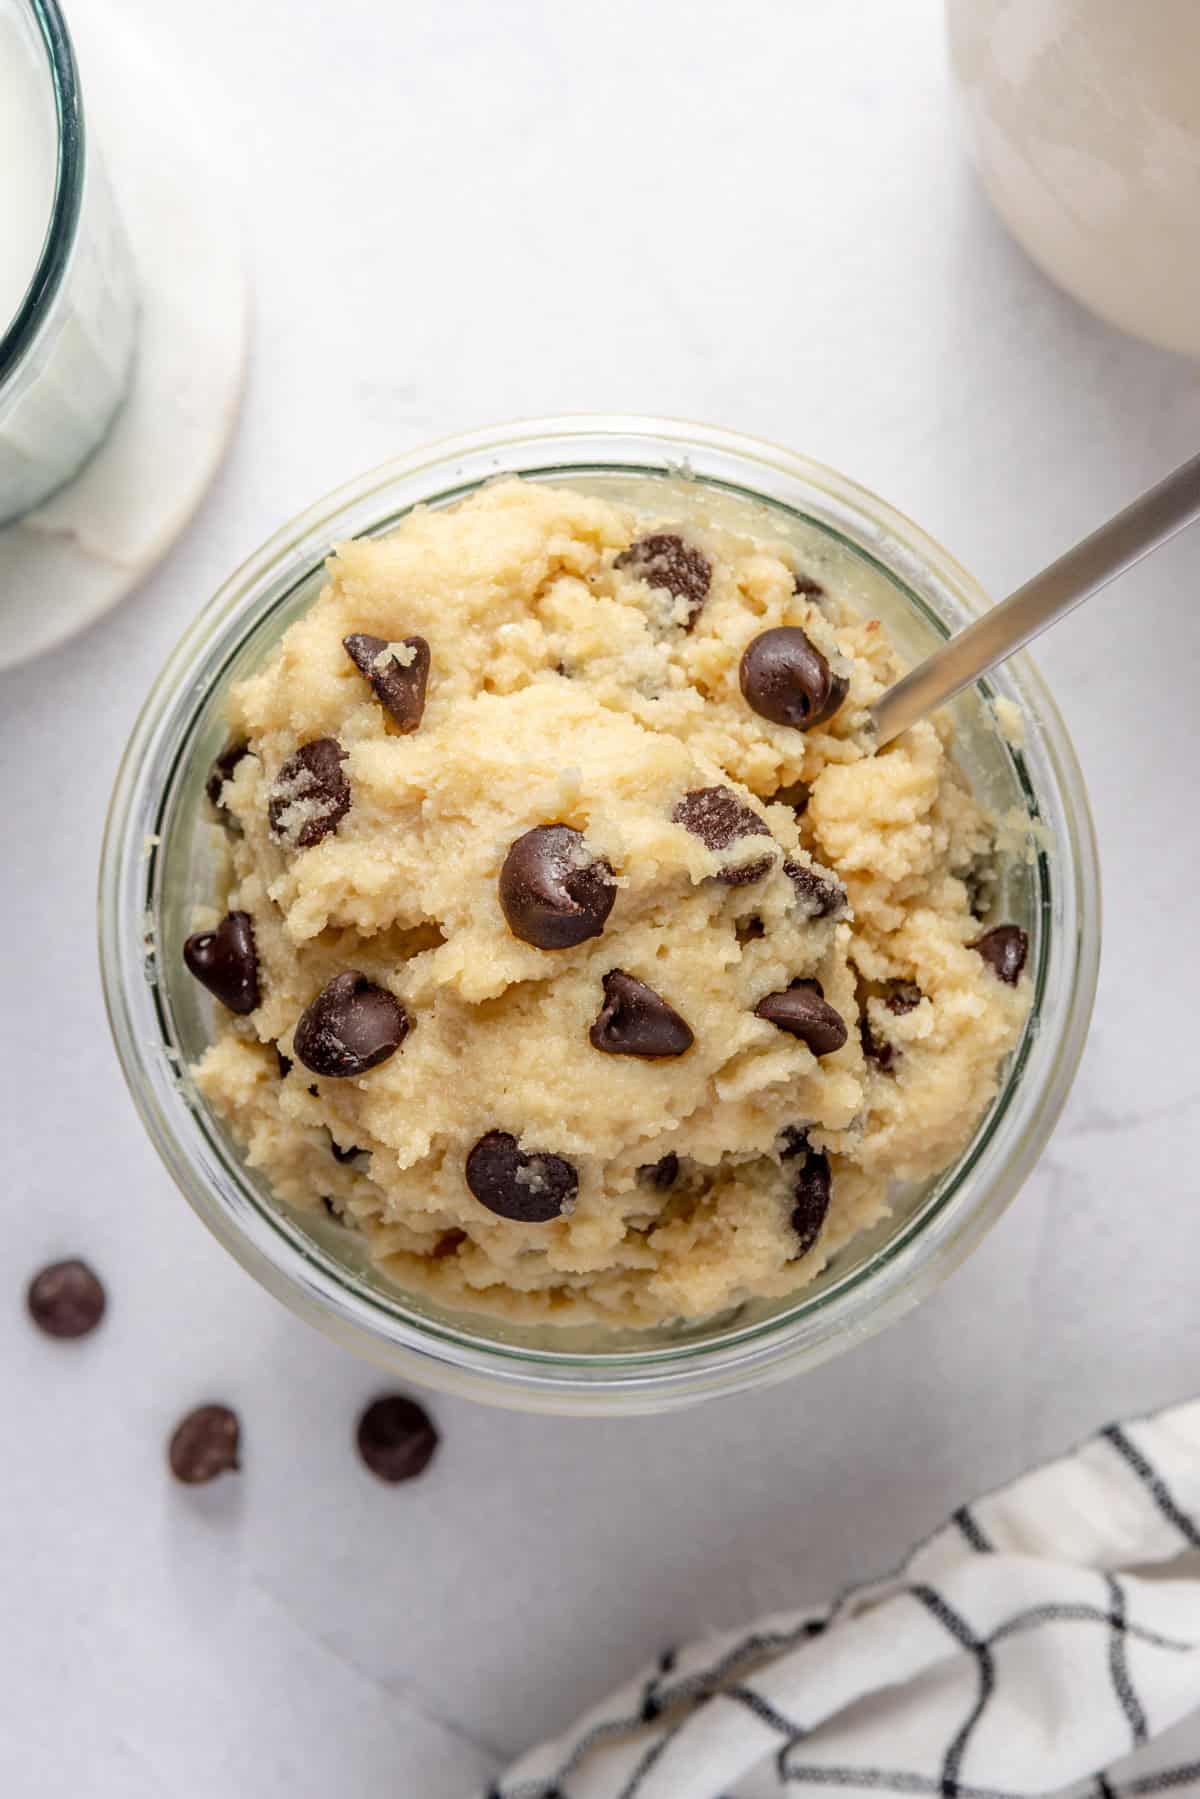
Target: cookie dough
574	947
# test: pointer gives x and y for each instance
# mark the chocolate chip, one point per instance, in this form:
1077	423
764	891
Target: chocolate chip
811	1194
980	881
1004	949
636	1021
553	892
785	678
806	587
351	1026
803	1011
284	1063
820	894
904	997
398	686
222	768
793	1141
66	1299
529	1187
876	1050
719	818
797	796
340	1212
397	1438
205	1444
665	560
346	1155
226	962
448	1244
745	872
662	1174
311	794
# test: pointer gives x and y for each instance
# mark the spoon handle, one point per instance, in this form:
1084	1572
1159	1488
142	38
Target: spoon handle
1150	521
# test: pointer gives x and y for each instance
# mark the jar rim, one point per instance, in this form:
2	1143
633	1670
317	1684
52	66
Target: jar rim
50	268
912	1260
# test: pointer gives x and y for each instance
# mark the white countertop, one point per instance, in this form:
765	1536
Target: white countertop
458	214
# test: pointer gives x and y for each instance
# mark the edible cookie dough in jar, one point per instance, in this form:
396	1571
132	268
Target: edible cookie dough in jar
548	949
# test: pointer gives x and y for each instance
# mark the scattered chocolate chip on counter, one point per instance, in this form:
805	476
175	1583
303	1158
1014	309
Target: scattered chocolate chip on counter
66	1299
204	1445
397	1439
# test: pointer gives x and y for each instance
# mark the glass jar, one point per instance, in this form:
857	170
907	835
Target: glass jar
66	353
159	861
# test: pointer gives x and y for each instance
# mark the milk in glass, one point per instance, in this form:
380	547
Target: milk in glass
68	310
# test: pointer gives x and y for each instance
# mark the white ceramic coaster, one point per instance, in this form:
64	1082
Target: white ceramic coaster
68	561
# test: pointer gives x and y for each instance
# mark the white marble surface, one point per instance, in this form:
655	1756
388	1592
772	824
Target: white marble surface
457	214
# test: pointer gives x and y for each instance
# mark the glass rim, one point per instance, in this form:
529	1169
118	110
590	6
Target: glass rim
646	1376
23	328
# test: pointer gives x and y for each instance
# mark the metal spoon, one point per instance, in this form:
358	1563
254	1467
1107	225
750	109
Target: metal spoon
1151	521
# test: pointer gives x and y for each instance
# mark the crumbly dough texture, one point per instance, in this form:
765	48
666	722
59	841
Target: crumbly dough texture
565	690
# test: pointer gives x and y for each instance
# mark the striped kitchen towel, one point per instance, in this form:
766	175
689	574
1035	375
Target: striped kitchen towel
1041	1643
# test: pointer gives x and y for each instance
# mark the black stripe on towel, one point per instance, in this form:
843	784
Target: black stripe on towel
885	1780
1128	1700
1166	1781
962	1633
651	1702
1155	1485
1038	1615
633	1785
764	1711
968	1524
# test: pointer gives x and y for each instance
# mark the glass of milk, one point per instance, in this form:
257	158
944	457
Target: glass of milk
1084	120
68	301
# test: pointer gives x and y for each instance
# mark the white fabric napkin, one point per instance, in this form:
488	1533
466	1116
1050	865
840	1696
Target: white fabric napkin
1038	1644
